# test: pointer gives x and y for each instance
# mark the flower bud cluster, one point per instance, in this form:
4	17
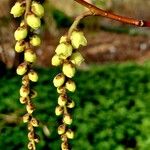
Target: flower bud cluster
67	56
26	39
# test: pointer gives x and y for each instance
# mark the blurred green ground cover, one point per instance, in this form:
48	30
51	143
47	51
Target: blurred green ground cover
112	109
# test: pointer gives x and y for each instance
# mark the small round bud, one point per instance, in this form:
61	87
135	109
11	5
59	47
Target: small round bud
64	146
24	100
37	9
22	23
56	61
17	10
61	90
34	122
70	104
33	76
35	40
30	56
70	134
76	58
64	137
59	110
25	80
31	136
67	119
64	50
33	21
20	46
24	91
78	39
30	146
63	39
36	138
68	69
20	33
59	80
62	100
61	129
21	69
26	118
30	108
70	86
30	127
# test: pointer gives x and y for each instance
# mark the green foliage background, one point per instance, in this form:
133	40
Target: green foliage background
112	109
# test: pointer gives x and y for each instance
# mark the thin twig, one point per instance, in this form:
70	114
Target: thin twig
99	12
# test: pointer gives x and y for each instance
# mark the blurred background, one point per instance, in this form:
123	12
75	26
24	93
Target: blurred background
113	84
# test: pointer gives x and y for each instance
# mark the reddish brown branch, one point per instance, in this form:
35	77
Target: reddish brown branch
99	12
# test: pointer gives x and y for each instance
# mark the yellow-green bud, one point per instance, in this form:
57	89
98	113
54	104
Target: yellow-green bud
70	104
61	129
34	122
59	110
20	33
20	46
35	40
59	80
70	86
21	69
68	69
37	9
64	50
26	118
78	39
24	100
62	100
31	135
24	91
70	134
30	56
56	61
76	58
22	23
33	21
67	119
17	10
33	76
63	39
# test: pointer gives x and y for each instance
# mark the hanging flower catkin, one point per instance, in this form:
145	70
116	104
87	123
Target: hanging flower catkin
31	12
67	55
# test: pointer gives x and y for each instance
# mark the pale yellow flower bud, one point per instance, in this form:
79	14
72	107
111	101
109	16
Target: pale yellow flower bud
24	91
33	76
35	40
59	110
64	50
30	56
64	146
30	108
17	10
61	129
34	122
30	146
26	118
21	69
70	134
78	39
62	100
24	100
56	61
61	90
63	39
67	119
20	46
70	104
33	21
59	80
37	9
20	33
76	58
68	69
70	86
